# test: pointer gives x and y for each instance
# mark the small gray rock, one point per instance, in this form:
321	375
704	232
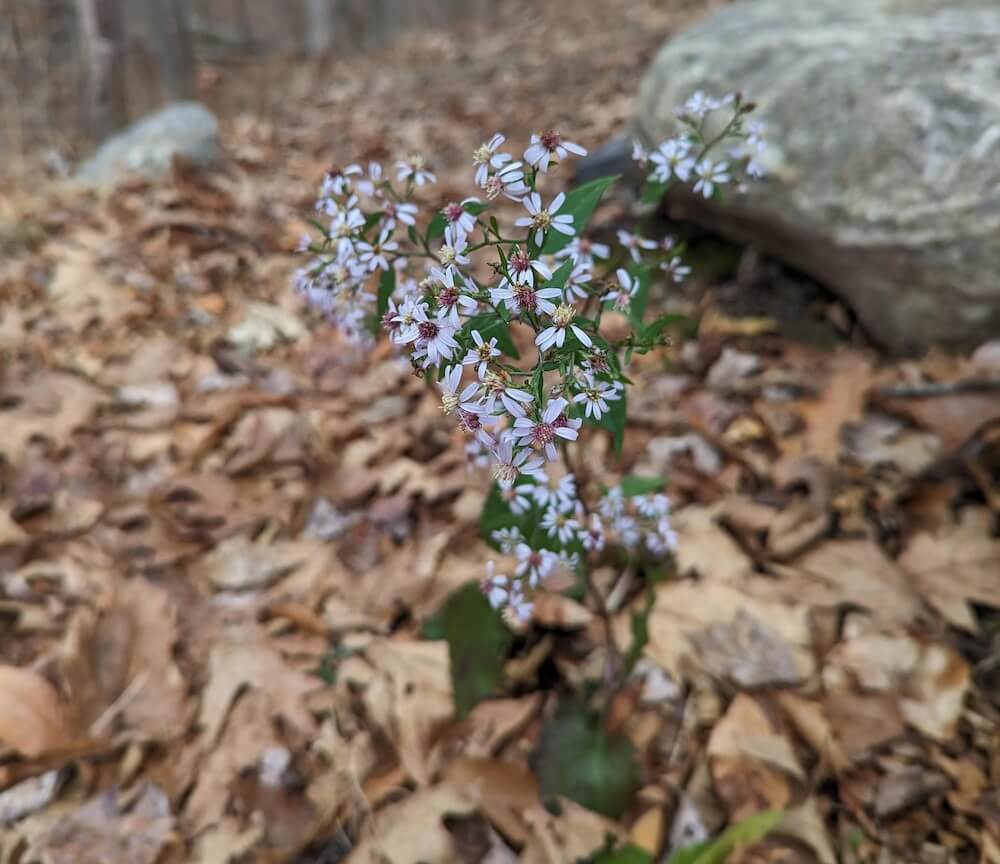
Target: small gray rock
147	147
884	133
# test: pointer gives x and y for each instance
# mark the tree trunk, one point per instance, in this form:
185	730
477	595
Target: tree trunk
172	46
102	41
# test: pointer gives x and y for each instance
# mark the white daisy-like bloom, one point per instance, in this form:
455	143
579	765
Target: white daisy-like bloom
477	455
672	158
521	608
550	146
450	297
509	464
406	319
628	531
559	524
496	386
453	398
481	352
434	338
338	181
507	539
393	212
455	214
487	156
373	255
667	532
555	334
496	586
535	565
474	423
675	268
452	251
542	433
612	504
595	397
543	219
523	298
628	285
652	506
635	243
369	185
639	153
592	537
559	492
414	169
699	104
517	498
508	181
583	251
579	277
710	175
522	269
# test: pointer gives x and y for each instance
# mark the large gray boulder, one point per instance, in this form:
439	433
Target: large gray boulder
884	127
147	148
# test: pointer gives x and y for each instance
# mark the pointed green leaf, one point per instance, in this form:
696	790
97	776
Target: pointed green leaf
633	485
580	203
614	422
386	285
653	192
578	759
478	642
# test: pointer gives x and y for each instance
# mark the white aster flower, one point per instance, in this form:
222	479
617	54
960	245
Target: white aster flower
523	298
635	244
534	564
482	352
338	181
453	399
450	297
496	386
507	539
508	181
455	214
521	608
542	433
510	464
652	506
522	269
578	278
561	525
434	338
550	146
487	156
543	219
393	212
595	397
675	268
517	498
710	174
373	255
452	251
556	333
584	251
621	297
496	586
639	153
414	169
557	492
369	185
593	537
672	158
612	504
628	531
699	104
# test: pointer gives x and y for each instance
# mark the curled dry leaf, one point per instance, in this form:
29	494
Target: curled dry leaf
33	720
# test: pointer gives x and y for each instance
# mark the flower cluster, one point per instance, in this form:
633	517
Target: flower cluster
452	290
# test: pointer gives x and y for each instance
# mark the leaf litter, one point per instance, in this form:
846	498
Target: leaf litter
235	555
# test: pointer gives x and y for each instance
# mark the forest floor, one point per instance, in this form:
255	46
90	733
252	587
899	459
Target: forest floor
223	532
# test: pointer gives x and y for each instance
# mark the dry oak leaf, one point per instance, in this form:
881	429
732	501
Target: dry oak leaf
956	566
32	717
571	835
842	401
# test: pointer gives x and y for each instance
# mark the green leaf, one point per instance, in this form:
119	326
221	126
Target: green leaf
435	228
653	332
478	642
386	285
627	854
745	833
489	325
633	485
578	759
614	422
637	308
653	192
580	203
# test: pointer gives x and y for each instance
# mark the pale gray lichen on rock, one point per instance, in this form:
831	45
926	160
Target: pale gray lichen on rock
883	122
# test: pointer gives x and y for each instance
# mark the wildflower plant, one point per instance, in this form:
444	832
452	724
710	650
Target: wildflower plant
447	287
